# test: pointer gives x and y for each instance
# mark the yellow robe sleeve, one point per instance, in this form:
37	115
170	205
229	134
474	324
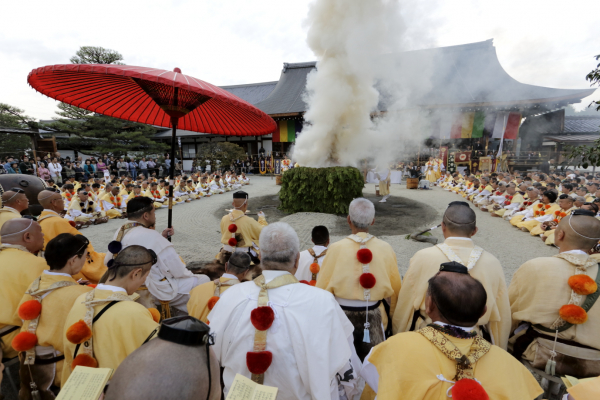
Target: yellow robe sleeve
198	303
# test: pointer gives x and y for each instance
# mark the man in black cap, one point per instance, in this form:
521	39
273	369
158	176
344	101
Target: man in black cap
169	279
240	232
181	341
447	357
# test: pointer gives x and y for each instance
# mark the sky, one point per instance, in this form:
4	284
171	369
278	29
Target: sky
541	42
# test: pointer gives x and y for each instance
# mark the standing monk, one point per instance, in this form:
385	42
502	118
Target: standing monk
53	225
22	239
13	202
240	232
458	226
361	271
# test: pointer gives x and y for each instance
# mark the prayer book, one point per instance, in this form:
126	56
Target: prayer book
85	383
243	388
571	381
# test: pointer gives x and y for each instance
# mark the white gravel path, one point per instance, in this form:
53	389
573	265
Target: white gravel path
197	236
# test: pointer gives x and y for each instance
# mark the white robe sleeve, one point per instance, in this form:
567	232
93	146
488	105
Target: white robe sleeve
107	206
370	374
172	263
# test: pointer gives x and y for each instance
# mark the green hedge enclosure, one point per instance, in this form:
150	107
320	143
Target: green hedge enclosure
324	190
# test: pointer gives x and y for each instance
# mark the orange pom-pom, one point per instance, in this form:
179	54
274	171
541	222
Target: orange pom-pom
555	220
305	282
85	361
79	332
468	389
92	285
155	314
314	268
563	214
30	309
312	283
212	301
557	213
24	341
548	206
540	205
573	314
583	284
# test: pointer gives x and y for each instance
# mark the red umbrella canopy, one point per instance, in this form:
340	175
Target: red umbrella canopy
151	96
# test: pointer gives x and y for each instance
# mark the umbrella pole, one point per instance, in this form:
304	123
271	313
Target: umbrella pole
172	172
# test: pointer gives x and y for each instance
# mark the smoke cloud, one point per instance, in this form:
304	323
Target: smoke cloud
360	71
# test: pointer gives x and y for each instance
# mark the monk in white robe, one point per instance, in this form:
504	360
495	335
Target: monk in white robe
169	279
297	339
423	365
313	257
458	226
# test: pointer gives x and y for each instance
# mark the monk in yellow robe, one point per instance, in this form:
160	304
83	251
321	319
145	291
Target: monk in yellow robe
121	329
423	364
13	202
56	290
246	230
53	225
361	271
22	239
205	296
542	286
527	210
543	212
112	202
458	226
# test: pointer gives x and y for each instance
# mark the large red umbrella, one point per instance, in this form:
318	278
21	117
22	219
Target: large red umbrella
152	96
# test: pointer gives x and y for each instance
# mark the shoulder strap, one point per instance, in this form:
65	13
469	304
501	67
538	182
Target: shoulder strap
590	300
96	318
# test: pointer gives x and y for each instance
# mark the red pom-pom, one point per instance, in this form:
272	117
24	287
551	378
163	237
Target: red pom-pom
85	361
305	282
30	309
79	332
258	361
507	203
155	314
212	301
468	389
364	256
232	242
24	341
262	318
232	228
367	280
312	283
72	223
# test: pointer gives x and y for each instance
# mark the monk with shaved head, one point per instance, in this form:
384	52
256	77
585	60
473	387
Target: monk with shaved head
21	239
447	358
53	224
548	294
13	202
459	225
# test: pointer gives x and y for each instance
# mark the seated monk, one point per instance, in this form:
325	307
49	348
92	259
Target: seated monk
124	324
204	297
13	202
459	225
21	239
53	225
447	358
190	380
548	299
56	291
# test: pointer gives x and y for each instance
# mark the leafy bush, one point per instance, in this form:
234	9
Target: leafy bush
324	190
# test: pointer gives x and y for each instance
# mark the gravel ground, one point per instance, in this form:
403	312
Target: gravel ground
197	236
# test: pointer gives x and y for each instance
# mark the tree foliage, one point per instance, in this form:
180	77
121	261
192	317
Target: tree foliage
13	117
96	55
226	152
325	190
594	78
96	134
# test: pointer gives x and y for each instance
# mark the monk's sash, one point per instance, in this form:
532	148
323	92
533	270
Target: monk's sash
464	363
452	256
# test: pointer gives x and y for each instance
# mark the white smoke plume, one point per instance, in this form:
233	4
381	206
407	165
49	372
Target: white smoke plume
350	39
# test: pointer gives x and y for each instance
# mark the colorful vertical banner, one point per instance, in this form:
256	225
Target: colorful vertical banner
456	130
512	126
467	125
286	130
500	125
478	125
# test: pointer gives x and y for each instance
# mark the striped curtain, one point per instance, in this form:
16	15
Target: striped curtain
286	130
